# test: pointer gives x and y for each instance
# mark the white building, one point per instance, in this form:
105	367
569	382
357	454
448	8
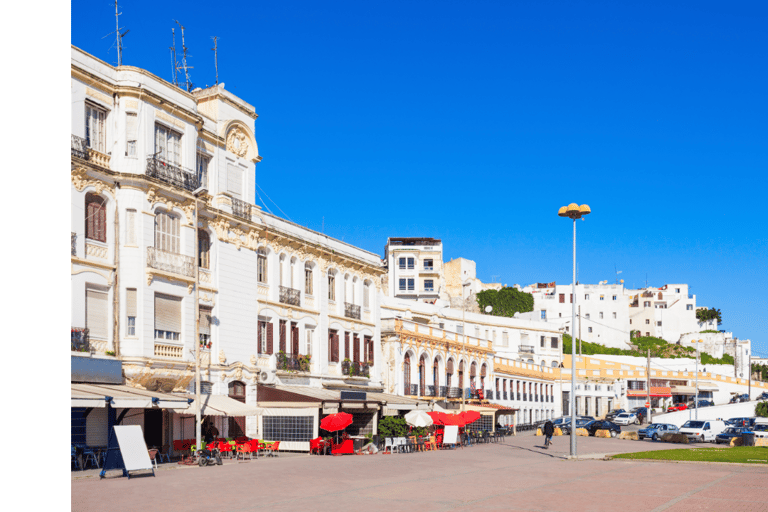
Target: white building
667	312
415	269
280	305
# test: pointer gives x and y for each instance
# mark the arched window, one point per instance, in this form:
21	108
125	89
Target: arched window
332	285
448	372
407	374
482	376
435	375
96	218
308	278
237	423
554	364
422	375
461	376
261	265
167	235
203	249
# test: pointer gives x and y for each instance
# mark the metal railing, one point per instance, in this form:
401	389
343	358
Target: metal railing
430	391
292	363
74	244
351	311
442	391
454	392
526	348
79	147
412	389
489	394
525	397
355	369
506	396
80	339
172	174
241	209
290	296
171	262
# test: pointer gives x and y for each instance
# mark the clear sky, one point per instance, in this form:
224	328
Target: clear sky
473	122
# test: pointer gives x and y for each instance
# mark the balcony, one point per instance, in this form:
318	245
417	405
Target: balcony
430	391
489	394
506	396
79	148
518	397
525	397
168	351
171	262
293	363
172	174
355	369
454	392
412	389
241	209
80	340
526	348
442	391
351	311
290	296
74	244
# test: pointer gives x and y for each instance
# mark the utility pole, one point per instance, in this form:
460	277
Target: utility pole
697	379
187	81
585	365
648	380
174	64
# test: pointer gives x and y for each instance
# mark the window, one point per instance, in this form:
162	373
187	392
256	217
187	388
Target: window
96	218
460	329
411	285
601	315
262	338
167	317
203	249
307	279
97	311
288	428
543	341
201	166
505	339
366	295
308	334
167	145
589	329
658	324
331	286
615	297
647	304
130	312
429	285
402	284
586	296
261	265
428	265
205	325
602	297
586	316
94	127
333	346
235	180
614	315
543	314
167	237
677	290
402	263
562	298
689	307
647	321
131	134
553	344
130	227
647	334
411	263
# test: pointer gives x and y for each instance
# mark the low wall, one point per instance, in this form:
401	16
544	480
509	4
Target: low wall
724	412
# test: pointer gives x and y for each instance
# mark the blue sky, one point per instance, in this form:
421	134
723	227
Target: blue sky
474	121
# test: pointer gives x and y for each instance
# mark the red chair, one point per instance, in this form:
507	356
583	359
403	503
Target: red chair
343	448
315	446
255	446
225	447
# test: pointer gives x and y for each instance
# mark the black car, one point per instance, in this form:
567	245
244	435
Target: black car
740	398
580	423
613	414
741	422
726	435
700	404
594	426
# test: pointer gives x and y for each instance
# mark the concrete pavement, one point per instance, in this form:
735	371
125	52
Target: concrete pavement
517	475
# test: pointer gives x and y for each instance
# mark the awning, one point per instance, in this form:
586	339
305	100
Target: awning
684	390
124	397
708	386
220	405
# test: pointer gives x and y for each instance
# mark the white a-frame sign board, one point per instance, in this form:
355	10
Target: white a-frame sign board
133	448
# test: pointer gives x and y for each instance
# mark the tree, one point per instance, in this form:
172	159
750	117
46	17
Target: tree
505	302
704	315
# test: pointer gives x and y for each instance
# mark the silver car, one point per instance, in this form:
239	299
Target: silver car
626	418
656	430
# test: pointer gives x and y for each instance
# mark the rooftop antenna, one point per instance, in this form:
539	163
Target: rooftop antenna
493	278
216	56
174	64
187	81
617	273
118	36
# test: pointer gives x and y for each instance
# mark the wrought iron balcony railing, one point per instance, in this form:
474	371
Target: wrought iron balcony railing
442	391
355	369
74	244
518	397
430	391
241	209
170	262
290	296
454	392
506	397
351	311
489	394
526	348
525	397
293	363
172	174
80	339
79	147
412	389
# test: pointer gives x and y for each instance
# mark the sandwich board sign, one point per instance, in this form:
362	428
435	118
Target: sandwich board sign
127	451
450	434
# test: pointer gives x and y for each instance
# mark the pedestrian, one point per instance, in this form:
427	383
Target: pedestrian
548	430
640	417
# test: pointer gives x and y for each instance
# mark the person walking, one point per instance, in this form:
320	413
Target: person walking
548	431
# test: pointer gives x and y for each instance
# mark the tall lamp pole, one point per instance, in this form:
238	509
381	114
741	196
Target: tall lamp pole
198	412
573	212
464	331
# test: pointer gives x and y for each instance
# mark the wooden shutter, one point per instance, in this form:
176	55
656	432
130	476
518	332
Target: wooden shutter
96	218
161	150
330	346
270	331
167	313
260	336
130	302
294	338
131	131
96	313
205	320
449	367
346	345
234	180
282	336
356	348
203	248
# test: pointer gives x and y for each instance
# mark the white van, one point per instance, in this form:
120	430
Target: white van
761	427
702	430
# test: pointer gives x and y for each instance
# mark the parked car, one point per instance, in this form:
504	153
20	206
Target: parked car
764	396
580	423
761	427
677	407
594	426
656	430
702	430
626	418
700	404
613	414
739	398
640	412
741	422
729	433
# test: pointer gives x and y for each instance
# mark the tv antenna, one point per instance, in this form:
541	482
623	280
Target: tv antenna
187	81
493	278
118	36
617	273
174	64
216	56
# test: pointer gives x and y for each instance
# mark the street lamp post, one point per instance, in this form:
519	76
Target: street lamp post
573	212
464	331
198	412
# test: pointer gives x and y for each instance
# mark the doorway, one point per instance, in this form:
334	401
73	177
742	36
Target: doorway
153	427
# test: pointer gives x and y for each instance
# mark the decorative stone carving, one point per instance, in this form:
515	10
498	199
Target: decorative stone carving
222	357
81	180
189	211
238	374
237	142
190	287
254	360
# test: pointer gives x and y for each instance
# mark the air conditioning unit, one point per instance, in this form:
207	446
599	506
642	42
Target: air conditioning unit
267	377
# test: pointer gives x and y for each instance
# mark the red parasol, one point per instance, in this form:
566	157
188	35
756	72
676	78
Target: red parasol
470	416
454	419
437	417
335	422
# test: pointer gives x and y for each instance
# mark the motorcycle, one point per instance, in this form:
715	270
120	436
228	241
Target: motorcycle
209	458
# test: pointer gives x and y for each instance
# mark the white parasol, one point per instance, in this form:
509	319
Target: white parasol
418	419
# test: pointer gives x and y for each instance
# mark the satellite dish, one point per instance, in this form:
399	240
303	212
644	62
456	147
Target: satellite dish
488	309
517	314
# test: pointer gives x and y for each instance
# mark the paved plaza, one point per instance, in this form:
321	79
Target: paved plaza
516	475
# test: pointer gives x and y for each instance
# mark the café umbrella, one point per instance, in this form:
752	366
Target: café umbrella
470	416
418	419
336	422
437	417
